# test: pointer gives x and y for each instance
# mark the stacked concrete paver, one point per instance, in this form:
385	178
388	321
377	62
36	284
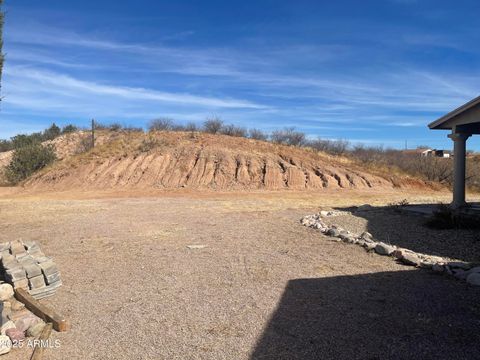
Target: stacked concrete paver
25	266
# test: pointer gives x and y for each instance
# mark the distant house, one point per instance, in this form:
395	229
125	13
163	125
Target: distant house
438	153
429	152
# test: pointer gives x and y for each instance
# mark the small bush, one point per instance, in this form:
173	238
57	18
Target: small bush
232	130
256	134
23	140
69	129
133	129
213	125
191	126
177	127
101	126
115	127
288	136
6	145
52	132
84	145
161	124
27	160
334	147
148	144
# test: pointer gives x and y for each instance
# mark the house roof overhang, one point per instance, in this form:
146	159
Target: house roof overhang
466	118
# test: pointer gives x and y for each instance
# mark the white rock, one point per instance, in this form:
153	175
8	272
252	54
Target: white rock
384	249
6	291
410	259
196	246
474	279
5	344
366	236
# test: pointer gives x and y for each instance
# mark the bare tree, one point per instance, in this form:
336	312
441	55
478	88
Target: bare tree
257	134
161	124
213	125
335	147
288	136
191	126
232	130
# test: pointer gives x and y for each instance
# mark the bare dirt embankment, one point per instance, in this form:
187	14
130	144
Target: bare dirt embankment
172	160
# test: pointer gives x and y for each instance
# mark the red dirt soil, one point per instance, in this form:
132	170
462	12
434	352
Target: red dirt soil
172	160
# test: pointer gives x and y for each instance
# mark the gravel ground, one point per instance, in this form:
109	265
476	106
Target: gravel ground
264	287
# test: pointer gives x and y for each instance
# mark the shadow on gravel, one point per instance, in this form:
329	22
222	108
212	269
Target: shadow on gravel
409	230
389	315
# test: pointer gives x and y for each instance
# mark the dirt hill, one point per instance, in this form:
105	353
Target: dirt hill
169	160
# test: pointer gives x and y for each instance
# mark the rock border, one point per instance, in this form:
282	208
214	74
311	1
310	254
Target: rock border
467	271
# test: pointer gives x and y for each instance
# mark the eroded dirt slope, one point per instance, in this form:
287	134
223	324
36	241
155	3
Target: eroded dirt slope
186	160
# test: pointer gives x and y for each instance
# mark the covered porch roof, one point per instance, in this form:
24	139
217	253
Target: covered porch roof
465	119
463	123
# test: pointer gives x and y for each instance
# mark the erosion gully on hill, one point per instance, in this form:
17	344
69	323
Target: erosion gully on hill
169	160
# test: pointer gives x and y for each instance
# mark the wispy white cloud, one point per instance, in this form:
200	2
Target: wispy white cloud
33	88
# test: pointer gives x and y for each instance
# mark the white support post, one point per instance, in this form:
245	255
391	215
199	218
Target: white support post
459	160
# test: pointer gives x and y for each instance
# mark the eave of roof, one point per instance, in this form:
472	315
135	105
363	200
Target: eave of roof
437	123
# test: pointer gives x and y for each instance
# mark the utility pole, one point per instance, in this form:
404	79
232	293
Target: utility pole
93	133
406	145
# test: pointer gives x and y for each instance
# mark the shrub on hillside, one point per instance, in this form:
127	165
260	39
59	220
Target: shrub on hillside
257	134
84	145
151	143
428	168
288	136
130	128
5	145
52	132
213	125
232	130
69	129
23	140
191	126
334	147
161	124
115	127
27	160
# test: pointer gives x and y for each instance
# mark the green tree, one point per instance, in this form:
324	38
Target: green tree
23	140
52	132
27	160
5	145
69	129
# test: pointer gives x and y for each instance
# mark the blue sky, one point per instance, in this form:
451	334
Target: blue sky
375	72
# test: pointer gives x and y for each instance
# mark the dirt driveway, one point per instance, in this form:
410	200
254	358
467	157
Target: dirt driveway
264	287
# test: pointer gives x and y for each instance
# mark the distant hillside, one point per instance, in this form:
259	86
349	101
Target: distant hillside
170	160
